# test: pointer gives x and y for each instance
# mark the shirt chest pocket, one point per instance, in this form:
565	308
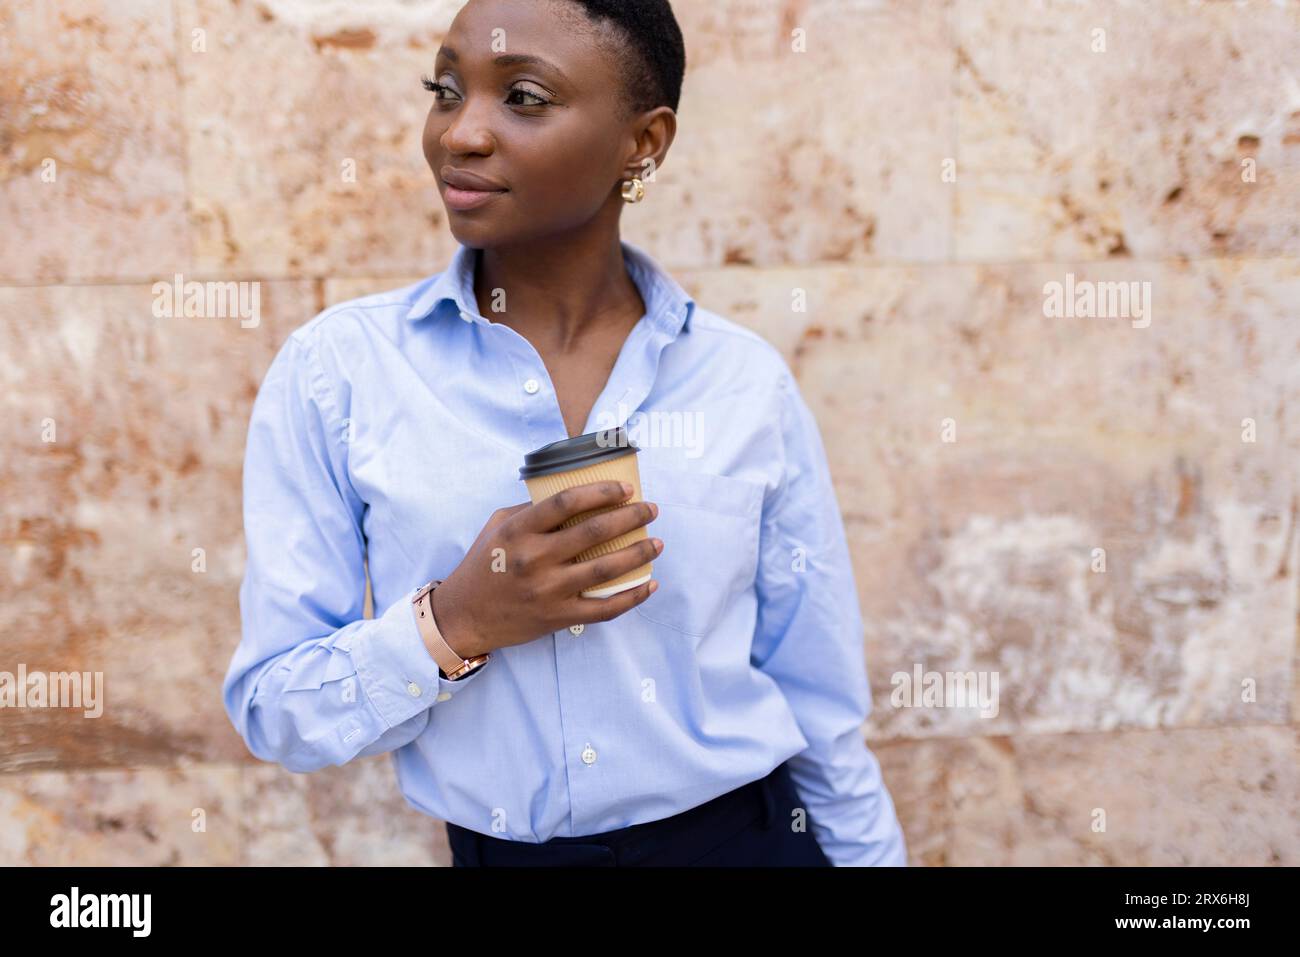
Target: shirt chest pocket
709	524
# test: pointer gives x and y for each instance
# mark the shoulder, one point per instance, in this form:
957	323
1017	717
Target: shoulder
729	342
354	322
349	339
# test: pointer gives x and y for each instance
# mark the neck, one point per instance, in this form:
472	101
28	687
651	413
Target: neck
558	292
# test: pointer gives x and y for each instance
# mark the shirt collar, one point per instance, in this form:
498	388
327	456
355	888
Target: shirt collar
667	304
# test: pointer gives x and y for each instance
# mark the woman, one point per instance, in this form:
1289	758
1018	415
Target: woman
710	716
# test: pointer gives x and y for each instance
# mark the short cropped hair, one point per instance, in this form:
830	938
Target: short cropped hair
647	43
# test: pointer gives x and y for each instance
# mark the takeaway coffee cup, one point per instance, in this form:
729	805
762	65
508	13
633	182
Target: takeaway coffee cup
594	457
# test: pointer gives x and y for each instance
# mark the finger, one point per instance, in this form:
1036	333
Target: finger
567	503
507	512
591	610
567	543
501	516
587	574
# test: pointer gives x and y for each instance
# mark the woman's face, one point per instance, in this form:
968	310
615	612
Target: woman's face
547	131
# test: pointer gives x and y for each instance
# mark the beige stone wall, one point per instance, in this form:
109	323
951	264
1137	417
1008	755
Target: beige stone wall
920	172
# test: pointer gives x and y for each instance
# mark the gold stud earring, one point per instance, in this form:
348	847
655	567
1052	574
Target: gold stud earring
633	190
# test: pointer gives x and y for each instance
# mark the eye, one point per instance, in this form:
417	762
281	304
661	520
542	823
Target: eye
517	90
436	88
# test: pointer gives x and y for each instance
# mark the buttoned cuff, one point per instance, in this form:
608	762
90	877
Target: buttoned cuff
397	673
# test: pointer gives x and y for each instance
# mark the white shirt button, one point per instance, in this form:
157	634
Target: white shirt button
445	696
413	690
577	629
588	755
531	386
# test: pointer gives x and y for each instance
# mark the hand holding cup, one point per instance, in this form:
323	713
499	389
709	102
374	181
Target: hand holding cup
524	575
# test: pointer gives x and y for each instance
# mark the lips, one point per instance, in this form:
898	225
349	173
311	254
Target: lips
470	182
465	190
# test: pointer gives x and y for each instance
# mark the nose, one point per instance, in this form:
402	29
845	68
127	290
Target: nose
467	130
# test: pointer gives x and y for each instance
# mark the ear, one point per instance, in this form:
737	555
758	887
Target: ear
656	130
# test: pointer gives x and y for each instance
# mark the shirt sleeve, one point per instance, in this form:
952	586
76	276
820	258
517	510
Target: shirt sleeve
809	638
312	682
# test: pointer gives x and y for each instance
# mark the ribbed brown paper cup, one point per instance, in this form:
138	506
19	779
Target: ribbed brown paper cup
594	457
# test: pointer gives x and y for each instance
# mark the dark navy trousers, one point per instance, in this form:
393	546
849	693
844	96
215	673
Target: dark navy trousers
752	826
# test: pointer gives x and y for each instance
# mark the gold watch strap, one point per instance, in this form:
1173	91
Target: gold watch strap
453	666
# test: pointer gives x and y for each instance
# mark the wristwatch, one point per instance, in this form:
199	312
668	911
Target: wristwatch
452	665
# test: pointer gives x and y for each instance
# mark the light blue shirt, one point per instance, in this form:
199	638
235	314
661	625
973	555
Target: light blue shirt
390	427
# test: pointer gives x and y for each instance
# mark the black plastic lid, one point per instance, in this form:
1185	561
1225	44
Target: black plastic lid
577	452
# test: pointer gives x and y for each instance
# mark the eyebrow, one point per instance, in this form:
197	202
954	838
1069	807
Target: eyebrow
510	59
